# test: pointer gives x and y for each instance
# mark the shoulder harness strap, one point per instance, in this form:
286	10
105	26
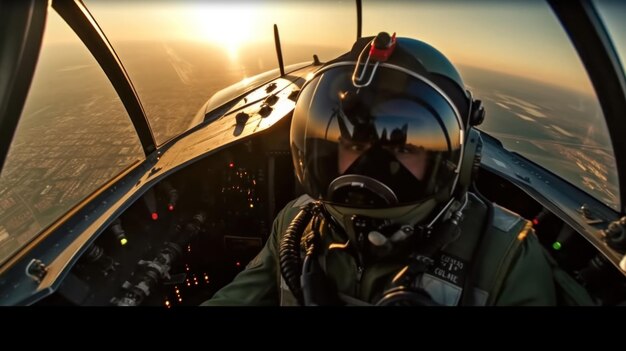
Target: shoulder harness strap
452	270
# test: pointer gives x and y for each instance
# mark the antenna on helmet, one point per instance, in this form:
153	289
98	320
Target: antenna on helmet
380	50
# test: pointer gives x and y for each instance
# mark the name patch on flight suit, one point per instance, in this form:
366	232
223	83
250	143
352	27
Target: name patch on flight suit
444	280
449	268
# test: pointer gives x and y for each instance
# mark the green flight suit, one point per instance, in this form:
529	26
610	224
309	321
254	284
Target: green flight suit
528	279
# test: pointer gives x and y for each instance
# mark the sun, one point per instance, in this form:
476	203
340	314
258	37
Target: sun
229	26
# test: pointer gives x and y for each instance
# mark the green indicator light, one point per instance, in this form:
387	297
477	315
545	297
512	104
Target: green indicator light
557	245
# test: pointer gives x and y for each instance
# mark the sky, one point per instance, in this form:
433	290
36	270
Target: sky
612	13
522	38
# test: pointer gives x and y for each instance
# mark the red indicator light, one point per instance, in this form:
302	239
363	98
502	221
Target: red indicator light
170	207
231	165
535	221
155	216
238	264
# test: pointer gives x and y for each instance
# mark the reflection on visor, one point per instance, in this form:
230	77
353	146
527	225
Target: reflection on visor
396	123
399	132
412	157
387	126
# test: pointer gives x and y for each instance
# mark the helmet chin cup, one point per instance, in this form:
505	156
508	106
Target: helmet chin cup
360	191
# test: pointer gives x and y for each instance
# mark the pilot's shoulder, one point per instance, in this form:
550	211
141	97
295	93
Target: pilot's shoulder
289	212
301	201
504	219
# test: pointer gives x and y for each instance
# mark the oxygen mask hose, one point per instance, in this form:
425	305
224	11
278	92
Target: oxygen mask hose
289	251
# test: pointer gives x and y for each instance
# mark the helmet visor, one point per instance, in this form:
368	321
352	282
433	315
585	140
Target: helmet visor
398	138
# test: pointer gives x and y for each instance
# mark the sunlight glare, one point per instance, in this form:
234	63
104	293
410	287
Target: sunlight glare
227	25
246	81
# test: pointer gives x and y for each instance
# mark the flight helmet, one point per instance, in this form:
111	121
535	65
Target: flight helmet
383	126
